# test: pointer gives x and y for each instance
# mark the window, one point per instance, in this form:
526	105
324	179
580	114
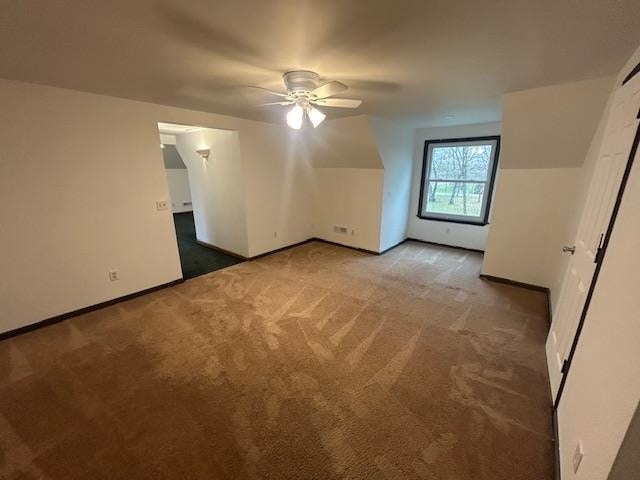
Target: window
457	179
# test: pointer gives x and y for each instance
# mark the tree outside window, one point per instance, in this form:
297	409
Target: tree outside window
458	178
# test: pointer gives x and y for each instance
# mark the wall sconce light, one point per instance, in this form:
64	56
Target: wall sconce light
204	153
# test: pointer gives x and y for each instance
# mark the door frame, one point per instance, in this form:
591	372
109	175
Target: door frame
602	251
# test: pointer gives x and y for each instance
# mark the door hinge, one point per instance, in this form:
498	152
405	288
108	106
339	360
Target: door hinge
598	255
565	365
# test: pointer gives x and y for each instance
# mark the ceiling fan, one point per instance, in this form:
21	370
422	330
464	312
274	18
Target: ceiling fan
305	92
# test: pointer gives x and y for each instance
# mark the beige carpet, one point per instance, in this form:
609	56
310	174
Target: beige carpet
318	362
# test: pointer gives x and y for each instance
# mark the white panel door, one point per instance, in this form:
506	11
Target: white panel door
605	184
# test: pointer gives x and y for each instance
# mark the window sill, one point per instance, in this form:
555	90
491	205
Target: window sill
454	220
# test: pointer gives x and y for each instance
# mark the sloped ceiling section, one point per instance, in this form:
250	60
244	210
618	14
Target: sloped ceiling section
172	158
363	171
343	143
552	127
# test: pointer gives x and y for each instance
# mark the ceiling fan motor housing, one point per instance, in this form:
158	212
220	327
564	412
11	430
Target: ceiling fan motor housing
299	81
305	89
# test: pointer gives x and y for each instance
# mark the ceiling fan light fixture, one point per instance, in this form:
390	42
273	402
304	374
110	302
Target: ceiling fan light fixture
295	116
316	116
305	90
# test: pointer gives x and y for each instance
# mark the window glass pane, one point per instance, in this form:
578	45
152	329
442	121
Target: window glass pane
454	198
460	162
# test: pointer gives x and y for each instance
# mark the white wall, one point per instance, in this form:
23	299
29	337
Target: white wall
352	198
254	201
602	391
395	144
179	190
459	235
278	188
547	134
79	177
343	143
217	188
348	181
531	214
82	190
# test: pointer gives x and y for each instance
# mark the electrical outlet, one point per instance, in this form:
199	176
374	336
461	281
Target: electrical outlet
162	205
113	276
577	457
339	229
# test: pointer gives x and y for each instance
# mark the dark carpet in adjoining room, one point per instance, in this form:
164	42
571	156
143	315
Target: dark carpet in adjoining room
197	259
318	362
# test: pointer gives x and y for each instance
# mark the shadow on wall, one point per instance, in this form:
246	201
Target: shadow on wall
177	176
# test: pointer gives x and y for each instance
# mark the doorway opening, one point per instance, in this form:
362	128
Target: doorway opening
193	215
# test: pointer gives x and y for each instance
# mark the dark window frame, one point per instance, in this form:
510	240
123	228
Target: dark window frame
494	169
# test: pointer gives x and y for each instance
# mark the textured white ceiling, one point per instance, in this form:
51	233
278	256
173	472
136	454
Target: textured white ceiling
420	61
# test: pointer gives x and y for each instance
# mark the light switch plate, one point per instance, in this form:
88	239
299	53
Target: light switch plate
577	457
162	205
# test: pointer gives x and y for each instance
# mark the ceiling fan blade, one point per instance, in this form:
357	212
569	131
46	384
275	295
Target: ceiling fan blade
329	89
272	92
338	102
288	102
